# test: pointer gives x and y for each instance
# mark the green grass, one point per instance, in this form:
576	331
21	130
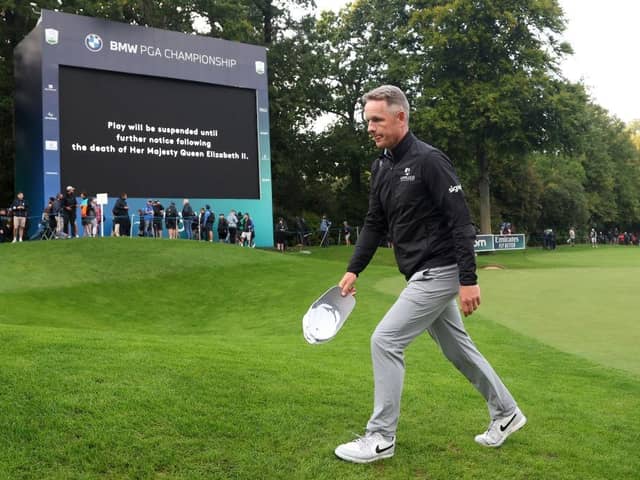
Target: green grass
579	300
135	358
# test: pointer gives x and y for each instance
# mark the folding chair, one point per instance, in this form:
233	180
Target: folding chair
48	230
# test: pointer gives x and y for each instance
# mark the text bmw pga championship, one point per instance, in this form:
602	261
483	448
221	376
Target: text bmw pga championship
170	54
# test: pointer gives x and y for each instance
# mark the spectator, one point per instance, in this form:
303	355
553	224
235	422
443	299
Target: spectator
572	237
202	234
99	218
19	210
158	213
241	222
5	225
49	218
69	207
223	228
325	225
147	219
346	231
187	218
89	220
281	234
302	231
593	236
141	224
246	237
232	220
84	220
171	221
120	216
56	211
209	220
549	239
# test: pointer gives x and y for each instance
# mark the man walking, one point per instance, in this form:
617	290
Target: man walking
416	197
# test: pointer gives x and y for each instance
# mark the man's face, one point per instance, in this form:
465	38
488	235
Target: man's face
387	126
20	196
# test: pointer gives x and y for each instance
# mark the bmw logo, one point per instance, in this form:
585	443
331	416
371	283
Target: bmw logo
93	42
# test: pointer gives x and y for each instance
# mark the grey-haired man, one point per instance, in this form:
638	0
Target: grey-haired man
417	199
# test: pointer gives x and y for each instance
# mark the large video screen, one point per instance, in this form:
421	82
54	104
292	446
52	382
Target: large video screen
156	137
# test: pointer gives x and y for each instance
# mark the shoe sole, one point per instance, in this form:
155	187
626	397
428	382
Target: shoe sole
514	428
347	458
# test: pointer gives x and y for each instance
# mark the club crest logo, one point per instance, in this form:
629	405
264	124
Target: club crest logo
93	42
260	68
407	177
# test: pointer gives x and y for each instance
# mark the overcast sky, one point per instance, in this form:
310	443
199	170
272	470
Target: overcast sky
605	36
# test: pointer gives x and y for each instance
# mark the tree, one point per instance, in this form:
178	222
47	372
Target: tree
634	131
486	70
355	50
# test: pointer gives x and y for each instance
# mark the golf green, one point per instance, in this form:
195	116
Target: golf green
577	300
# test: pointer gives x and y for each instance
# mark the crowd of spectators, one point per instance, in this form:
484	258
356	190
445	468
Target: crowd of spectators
300	233
235	228
59	220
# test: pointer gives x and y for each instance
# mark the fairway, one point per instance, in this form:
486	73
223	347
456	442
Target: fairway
139	358
579	300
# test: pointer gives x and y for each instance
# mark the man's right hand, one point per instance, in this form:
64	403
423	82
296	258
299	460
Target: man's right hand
347	284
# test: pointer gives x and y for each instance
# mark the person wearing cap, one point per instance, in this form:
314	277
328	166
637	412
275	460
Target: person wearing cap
417	199
19	209
69	211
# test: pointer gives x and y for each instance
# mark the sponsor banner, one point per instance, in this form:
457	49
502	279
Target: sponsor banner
508	242
491	243
483	243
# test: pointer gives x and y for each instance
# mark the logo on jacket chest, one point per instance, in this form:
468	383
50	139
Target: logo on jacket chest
407	177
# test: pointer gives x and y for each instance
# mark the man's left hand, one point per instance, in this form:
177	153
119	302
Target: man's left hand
469	298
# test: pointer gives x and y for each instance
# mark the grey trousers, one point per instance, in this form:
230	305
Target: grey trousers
428	302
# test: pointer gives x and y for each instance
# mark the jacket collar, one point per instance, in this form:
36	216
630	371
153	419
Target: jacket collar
396	154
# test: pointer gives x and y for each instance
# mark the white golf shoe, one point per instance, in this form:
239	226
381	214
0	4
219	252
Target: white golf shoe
500	428
371	447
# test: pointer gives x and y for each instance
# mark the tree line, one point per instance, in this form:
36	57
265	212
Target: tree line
483	78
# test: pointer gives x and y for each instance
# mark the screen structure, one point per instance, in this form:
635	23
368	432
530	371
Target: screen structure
156	137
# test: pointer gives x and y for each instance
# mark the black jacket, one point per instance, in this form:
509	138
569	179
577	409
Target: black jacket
19	208
417	199
69	204
120	209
